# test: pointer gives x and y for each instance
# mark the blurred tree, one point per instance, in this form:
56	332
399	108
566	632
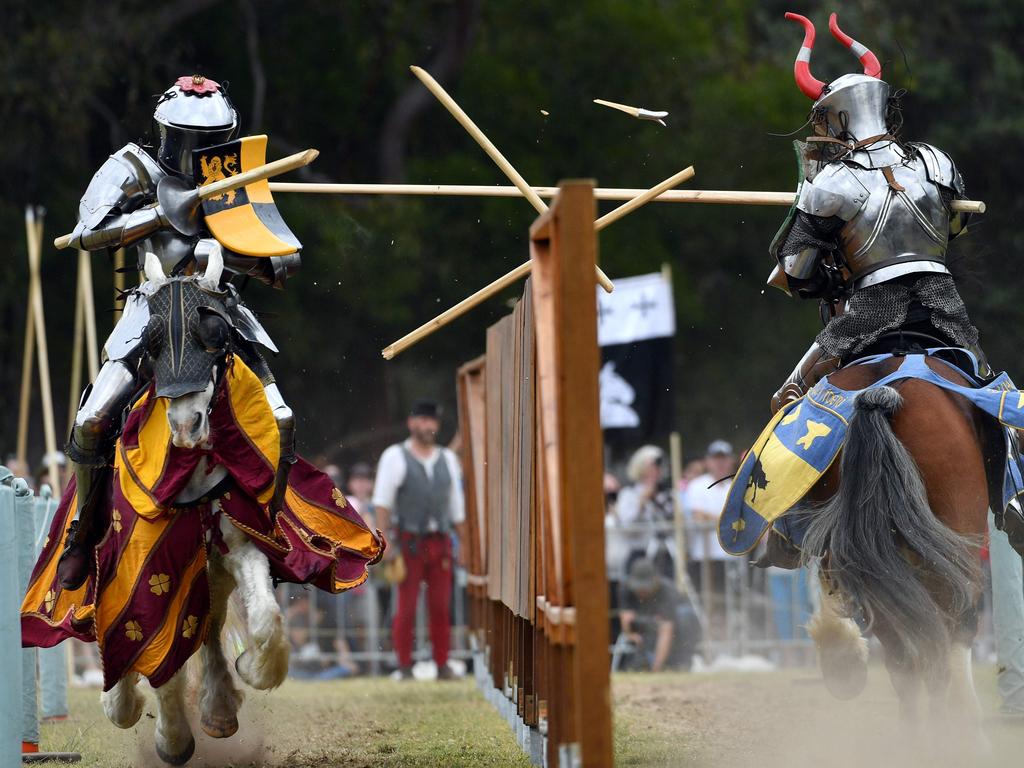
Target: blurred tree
78	82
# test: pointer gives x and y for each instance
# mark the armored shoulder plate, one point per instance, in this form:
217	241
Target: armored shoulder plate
835	191
124	182
940	168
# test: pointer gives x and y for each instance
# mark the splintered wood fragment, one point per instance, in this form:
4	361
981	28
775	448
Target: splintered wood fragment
522	270
492	151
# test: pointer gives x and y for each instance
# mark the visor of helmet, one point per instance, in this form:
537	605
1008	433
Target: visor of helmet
177	144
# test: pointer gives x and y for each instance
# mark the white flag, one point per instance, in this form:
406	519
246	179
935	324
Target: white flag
640	308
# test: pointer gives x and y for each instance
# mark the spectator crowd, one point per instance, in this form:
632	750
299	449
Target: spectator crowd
669	577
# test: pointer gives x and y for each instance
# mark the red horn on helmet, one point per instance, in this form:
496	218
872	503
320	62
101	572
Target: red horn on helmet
807	82
870	62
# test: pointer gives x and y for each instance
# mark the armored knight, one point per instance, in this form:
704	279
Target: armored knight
871	224
122	207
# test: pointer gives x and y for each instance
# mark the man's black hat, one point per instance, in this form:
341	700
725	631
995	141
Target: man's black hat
429	408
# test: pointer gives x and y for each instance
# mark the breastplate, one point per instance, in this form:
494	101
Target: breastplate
896	227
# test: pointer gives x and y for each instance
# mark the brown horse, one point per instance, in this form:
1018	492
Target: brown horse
898	523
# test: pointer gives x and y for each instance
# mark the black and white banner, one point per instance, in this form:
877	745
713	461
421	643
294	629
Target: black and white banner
635	330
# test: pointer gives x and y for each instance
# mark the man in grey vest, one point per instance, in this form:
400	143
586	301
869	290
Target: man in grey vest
418	500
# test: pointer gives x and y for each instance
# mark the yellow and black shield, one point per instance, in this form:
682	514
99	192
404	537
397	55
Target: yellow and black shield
244	220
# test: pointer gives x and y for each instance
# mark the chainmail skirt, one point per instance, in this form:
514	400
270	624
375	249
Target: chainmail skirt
881	308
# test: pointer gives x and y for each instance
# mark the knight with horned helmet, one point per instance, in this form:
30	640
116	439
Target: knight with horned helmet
871	224
122	207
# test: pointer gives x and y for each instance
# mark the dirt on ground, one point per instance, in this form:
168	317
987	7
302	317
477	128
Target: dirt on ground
788	720
726	720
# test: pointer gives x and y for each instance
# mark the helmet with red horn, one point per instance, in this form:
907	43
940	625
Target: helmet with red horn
851	107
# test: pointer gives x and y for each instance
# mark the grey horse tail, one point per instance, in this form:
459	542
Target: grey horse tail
884	543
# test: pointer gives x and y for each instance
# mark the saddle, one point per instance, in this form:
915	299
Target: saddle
915	341
803	439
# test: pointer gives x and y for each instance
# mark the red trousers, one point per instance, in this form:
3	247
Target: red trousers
427	558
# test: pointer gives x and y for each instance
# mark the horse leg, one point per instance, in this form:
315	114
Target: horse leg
219	700
123	703
264	663
842	651
174	741
906	679
963	704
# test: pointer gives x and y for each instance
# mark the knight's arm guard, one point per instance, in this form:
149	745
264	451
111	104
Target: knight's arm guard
118	208
285	422
121	230
286	429
811	231
803	255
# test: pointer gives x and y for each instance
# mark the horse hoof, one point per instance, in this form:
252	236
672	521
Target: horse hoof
262	673
219	726
121	715
846	674
180	759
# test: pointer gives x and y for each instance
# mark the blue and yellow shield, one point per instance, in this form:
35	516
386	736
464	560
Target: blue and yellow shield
243	220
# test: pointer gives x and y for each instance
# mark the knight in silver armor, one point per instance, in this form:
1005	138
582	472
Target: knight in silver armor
121	208
872	221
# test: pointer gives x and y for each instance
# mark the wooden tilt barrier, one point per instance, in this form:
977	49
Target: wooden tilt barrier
529	416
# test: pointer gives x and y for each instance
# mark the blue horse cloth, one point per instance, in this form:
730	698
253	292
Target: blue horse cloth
805	437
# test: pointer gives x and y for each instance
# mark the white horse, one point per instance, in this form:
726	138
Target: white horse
264	663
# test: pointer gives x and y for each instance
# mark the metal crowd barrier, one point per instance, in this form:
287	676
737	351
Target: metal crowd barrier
755	612
10	625
25	520
743	609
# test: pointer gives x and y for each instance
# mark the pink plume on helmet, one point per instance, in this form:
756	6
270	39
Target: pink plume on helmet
807	82
870	62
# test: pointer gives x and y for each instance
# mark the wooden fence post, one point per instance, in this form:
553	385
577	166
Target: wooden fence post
529	415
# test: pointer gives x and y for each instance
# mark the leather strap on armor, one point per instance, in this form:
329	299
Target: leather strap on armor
850	146
890	179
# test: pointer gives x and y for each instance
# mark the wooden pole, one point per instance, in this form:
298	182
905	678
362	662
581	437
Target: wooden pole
457	311
34	227
89	309
492	151
564	245
522	270
77	343
707	196
27	363
265	171
675	444
643	198
486	144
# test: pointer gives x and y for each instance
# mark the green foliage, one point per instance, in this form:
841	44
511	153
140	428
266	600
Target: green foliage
79	76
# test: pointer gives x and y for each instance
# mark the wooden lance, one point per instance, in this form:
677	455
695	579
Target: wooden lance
219	187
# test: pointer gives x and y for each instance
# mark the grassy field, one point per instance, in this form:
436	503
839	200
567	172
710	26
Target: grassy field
769	720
